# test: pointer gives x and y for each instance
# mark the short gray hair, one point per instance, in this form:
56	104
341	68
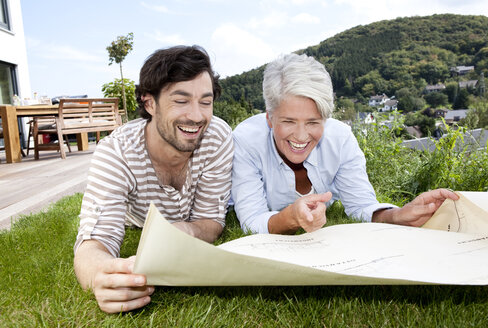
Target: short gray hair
298	75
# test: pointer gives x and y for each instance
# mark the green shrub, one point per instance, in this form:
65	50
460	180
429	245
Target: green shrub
114	89
451	165
398	173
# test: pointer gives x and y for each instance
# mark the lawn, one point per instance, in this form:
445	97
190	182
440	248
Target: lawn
39	289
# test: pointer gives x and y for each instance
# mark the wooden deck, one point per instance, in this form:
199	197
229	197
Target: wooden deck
30	186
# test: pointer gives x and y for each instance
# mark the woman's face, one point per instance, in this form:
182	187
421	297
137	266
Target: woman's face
297	127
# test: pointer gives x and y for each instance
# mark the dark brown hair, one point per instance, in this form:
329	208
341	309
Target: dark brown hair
176	64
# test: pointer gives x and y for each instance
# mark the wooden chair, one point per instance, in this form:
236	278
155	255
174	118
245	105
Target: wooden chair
42	126
31	134
123	120
81	115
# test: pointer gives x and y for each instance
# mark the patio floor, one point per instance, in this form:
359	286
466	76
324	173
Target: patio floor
30	186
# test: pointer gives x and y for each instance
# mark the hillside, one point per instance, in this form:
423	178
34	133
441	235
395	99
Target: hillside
386	56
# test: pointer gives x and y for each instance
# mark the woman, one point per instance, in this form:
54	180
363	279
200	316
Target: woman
291	161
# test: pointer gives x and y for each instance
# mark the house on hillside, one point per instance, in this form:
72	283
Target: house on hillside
474	139
414	131
365	117
456	115
461	70
378	100
434	88
440	112
471	84
14	73
390	105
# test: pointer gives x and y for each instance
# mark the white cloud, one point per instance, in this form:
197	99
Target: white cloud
166	39
157	8
306	2
237	50
65	52
273	20
271	3
306	19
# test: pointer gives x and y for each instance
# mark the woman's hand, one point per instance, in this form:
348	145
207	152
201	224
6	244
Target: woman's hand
307	212
418	211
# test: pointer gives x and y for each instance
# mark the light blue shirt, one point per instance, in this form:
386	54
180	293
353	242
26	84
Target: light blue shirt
263	185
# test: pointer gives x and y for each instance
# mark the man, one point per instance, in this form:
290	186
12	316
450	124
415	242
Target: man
177	155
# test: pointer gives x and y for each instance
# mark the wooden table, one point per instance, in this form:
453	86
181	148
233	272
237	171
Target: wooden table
9	115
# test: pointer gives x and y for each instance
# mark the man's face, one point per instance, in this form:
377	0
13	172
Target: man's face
297	128
183	112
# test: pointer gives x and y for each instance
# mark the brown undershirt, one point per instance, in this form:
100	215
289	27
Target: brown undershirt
302	182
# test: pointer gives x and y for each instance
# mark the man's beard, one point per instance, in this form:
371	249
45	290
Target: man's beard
183	146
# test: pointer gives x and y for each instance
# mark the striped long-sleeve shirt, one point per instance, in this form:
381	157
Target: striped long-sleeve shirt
122	183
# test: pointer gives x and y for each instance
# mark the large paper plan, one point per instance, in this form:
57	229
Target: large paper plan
347	254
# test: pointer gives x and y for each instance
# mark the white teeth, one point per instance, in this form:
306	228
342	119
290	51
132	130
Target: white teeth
297	146
189	130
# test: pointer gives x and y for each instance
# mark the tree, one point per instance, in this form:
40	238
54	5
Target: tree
114	89
436	99
425	124
117	51
477	116
472	120
462	100
403	92
232	112
347	89
452	90
410	104
432	71
407	100
371	83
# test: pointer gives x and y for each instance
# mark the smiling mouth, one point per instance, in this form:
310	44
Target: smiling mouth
189	129
297	146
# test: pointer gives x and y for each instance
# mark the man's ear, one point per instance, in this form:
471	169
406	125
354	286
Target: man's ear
268	119
150	104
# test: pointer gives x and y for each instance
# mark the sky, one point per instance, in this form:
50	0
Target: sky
66	40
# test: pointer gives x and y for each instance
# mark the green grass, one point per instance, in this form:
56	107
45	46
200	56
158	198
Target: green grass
38	288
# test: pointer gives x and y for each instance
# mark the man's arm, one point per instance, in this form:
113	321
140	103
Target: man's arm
116	289
418	211
101	233
207	230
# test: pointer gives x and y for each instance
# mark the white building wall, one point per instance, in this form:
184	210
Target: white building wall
13	49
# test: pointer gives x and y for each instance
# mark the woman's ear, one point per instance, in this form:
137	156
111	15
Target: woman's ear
268	119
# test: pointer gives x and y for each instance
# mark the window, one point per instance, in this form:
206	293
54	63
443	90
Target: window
8	88
7	83
4	23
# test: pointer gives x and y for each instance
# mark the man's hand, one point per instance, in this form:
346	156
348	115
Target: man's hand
116	288
307	212
418	211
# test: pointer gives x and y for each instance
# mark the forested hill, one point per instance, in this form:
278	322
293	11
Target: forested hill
386	56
